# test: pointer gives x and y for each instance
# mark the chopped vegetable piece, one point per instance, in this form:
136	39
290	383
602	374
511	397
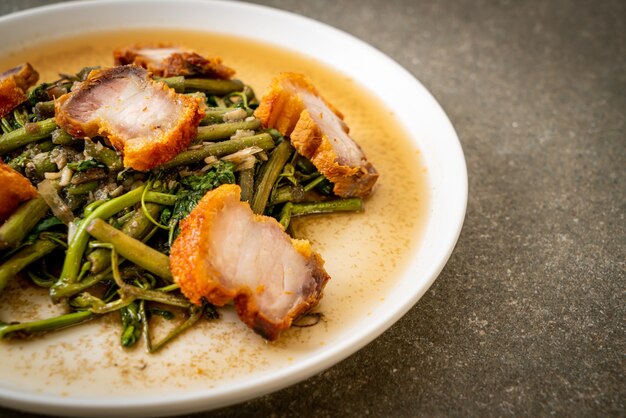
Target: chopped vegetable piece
131	248
219	149
13	231
49	192
23	258
29	133
26	329
269	175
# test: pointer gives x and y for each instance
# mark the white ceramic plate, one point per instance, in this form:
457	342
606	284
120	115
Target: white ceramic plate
416	110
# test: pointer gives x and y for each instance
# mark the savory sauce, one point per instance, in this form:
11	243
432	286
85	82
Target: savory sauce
365	253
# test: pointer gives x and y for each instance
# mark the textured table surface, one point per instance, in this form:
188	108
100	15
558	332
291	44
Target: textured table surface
528	316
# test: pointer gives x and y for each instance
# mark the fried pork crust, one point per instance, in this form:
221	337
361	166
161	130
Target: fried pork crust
144	119
13	86
169	61
14	189
225	252
293	106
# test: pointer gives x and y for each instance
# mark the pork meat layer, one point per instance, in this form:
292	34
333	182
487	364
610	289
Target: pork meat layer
226	252
293	106
146	120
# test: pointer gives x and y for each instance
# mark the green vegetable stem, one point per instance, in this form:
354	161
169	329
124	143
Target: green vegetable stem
31	132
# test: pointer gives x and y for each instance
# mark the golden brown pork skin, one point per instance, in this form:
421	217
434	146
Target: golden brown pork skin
226	252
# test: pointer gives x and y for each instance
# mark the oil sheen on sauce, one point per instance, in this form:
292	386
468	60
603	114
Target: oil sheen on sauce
365	253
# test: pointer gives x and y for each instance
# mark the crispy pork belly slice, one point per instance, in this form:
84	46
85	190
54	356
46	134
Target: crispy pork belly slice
144	119
13	86
317	130
226	252
14	189
168	61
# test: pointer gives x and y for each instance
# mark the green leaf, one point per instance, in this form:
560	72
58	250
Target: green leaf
39	94
220	173
210	312
85	165
161	312
43	225
131	324
195	187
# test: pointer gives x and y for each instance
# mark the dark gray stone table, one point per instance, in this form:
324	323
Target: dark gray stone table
528	317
